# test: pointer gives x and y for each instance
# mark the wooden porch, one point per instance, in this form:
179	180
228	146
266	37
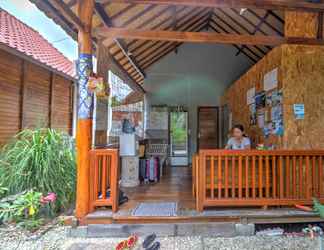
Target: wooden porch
266	186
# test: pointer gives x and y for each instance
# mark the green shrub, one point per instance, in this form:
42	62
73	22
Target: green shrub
40	159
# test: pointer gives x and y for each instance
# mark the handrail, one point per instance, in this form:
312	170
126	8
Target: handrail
104	167
258	177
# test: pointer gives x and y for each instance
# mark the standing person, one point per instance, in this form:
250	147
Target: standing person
239	140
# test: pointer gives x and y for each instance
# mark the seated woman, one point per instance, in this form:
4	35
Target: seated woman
238	141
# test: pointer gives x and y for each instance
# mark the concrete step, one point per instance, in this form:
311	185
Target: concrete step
163	230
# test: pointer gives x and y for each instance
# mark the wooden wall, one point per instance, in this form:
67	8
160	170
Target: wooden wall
31	96
235	95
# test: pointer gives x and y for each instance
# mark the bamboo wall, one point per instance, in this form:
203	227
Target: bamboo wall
31	96
301	77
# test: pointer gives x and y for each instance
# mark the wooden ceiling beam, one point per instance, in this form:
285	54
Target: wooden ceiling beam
166	52
146	42
299	5
195	37
67	13
198	24
108	23
191	24
160	13
256	29
185	23
222	29
266	23
253	58
239	25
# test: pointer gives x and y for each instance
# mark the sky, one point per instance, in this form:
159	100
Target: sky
28	13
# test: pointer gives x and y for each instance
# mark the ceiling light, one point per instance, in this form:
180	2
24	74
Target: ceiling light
242	11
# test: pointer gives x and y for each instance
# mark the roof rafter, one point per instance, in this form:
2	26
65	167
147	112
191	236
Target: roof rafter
186	22
108	23
167	51
155	27
241	27
265	4
190	23
236	46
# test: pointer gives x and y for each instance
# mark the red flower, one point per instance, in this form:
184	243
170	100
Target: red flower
50	197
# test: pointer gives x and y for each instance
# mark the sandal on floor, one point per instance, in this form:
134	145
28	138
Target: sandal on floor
148	240
155	246
127	244
121	245
131	241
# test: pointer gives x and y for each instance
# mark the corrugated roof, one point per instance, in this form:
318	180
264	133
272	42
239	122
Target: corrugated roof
17	35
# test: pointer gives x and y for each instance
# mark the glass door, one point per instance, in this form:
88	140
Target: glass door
179	138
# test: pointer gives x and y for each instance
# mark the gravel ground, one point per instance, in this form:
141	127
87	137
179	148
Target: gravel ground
56	238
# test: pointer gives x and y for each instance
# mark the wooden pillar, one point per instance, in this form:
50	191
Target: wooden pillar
85	102
301	24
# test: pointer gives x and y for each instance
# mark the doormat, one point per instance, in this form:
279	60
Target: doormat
149	209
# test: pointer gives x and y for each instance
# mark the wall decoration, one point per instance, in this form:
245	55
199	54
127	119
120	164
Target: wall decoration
270	80
260	100
261	119
250	96
299	111
253	118
97	86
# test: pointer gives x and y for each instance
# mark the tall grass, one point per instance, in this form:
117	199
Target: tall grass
42	159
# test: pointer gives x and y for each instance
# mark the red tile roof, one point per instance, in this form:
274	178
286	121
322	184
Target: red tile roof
23	38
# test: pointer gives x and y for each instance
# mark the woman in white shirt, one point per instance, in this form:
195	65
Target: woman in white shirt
238	141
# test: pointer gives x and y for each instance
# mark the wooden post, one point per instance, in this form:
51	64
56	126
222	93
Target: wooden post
84	123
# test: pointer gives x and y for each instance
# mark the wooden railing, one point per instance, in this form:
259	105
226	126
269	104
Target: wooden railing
258	178
104	165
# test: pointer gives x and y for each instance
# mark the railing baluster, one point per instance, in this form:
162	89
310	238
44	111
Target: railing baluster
226	176
320	170
274	177
212	176
253	177
314	179
281	178
247	176
267	177
294	181
300	177
220	179
287	165
233	176
104	177
260	176
308	171
240	176
96	177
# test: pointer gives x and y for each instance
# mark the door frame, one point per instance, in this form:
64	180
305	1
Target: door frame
198	123
188	134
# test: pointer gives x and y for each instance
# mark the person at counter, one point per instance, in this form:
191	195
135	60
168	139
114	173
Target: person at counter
239	140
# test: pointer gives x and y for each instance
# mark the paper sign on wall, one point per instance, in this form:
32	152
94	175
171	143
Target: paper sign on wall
270	80
250	96
299	111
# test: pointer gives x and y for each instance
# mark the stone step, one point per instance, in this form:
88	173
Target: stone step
163	230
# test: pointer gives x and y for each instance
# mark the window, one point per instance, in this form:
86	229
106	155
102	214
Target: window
121	107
